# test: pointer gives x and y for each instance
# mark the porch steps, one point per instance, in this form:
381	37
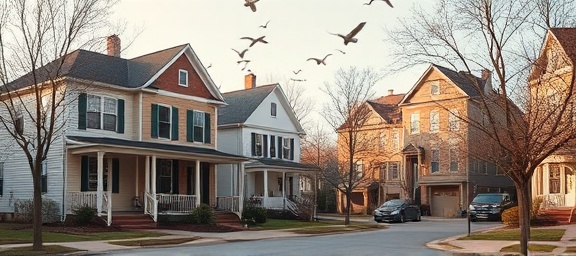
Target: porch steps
230	219
564	215
133	221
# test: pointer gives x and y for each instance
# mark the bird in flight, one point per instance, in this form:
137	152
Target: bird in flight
298	80
265	25
387	1
240	61
343	52
320	61
254	41
251	4
350	37
245	64
209	66
296	72
241	54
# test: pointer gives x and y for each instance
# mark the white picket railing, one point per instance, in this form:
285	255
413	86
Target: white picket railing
79	199
150	205
230	203
552	200
173	203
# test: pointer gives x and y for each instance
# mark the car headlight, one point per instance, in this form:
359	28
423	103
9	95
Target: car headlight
395	212
471	208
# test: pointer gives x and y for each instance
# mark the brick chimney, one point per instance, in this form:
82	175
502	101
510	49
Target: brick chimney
113	45
249	81
391	92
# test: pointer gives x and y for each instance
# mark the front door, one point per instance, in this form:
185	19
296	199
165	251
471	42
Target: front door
205	183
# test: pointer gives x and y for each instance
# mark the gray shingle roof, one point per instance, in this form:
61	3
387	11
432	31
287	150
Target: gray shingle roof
278	163
97	67
463	80
152	145
242	103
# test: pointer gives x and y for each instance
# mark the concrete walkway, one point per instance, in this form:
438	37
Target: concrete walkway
493	247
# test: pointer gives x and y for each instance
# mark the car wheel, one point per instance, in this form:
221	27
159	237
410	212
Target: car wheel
402	218
379	221
418	217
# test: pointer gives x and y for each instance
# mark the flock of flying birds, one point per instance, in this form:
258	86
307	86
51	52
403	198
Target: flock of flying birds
348	38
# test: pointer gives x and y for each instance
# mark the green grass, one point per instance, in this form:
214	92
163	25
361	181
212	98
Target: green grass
155	242
26	236
514	235
531	247
570	249
47	250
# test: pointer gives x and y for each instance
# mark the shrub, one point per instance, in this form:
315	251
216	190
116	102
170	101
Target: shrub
24	210
203	214
511	216
536	202
84	215
255	213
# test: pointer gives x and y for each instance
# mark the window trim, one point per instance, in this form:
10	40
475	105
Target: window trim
454	156
259	144
169	121
434	122
434	158
286	148
435	85
160	175
106	170
195	124
359	169
101	112
453	120
414	123
180	72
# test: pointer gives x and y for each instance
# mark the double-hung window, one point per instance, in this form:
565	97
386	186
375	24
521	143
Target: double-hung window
454	122
93	174
183	78
435	161
101	113
272	146
434	121
258	145
199	126
359	169
164	122
273	109
286	148
164	176
395	140
454	159
415	123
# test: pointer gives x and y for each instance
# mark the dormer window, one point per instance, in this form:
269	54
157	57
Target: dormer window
273	109
435	88
183	78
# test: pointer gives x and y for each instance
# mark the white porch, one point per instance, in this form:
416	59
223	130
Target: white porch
272	189
554	182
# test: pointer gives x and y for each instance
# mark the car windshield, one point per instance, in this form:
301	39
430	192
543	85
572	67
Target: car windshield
393	203
487	199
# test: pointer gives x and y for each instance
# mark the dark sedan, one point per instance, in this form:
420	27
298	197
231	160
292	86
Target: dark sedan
397	210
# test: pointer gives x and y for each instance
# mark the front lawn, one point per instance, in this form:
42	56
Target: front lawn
514	235
317	227
531	247
47	250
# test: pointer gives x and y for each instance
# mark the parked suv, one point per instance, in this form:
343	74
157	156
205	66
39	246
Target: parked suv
489	206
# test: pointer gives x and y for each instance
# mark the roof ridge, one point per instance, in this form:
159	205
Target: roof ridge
257	87
158	51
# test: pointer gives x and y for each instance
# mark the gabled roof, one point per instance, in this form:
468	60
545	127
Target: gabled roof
242	103
387	108
567	39
464	81
134	73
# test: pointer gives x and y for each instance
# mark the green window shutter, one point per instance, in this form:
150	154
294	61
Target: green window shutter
253	144
84	174
265	139
120	115
115	175
82	109
154	121
189	125
174	123
207	138
291	149
175	173
280	147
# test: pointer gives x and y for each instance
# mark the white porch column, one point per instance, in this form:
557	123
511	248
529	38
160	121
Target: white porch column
153	185
136	180
265	186
146	181
197	185
241	179
109	188
284	190
100	177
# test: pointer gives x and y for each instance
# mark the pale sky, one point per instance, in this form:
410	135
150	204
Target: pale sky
298	30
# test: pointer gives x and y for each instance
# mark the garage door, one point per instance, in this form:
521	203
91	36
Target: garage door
445	203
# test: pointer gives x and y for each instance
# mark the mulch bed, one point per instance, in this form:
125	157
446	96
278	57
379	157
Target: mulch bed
201	228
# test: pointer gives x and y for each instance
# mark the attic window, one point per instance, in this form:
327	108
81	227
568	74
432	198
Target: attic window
435	88
183	78
273	109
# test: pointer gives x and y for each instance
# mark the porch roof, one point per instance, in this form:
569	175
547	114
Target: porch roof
279	164
80	144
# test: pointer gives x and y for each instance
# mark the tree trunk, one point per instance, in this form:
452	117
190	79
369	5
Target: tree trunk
37	216
348	204
522	192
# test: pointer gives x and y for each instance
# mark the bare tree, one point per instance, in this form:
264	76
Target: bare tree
347	113
502	36
35	40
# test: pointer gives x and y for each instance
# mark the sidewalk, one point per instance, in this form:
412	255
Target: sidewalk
493	247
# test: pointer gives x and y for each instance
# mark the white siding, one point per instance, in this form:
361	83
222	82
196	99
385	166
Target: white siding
261	116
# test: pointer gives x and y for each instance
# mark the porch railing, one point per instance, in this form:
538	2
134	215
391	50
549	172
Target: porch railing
79	199
150	205
230	203
169	203
552	200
